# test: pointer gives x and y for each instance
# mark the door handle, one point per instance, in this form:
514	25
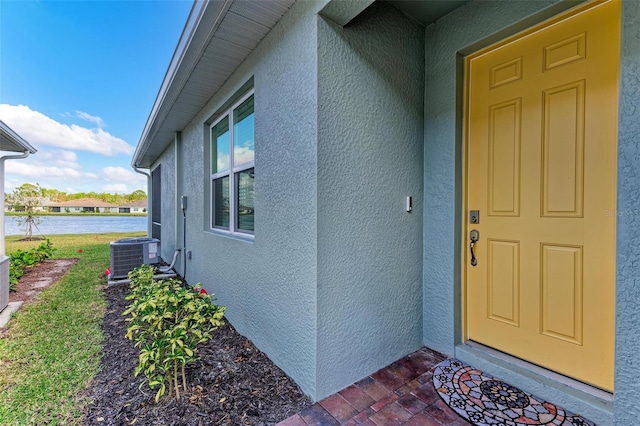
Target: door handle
474	236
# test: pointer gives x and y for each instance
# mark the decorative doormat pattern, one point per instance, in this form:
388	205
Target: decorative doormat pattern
484	400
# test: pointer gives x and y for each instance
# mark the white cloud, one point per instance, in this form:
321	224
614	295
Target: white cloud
43	173
10	183
38	129
119	188
242	154
60	162
122	180
91	118
98	121
58	158
62	170
122	174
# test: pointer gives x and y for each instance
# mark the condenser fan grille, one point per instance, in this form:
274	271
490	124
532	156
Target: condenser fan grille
129	253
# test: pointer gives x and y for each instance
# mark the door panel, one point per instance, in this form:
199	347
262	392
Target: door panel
561	289
504	158
541	134
563	150
503	258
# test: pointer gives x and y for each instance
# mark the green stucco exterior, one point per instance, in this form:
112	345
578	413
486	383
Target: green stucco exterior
627	396
269	285
340	280
370	97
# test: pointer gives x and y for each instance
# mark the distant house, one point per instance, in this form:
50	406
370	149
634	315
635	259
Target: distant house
45	205
138	206
90	205
42	204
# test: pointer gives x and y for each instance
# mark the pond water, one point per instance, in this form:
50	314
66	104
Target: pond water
51	225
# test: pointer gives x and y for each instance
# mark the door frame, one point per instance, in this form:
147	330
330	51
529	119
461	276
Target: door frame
444	231
478	49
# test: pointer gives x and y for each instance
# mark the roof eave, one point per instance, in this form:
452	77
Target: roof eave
192	42
218	37
13	142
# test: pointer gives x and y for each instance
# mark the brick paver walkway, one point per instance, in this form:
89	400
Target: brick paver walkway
399	394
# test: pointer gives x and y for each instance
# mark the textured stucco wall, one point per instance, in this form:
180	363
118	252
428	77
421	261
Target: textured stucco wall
466	29
167	176
627	396
268	285
370	97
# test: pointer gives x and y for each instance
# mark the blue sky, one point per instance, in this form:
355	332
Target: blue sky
77	81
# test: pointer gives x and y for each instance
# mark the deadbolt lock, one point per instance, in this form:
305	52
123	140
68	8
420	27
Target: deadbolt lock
474	216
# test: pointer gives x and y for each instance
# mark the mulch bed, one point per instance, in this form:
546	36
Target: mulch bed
232	384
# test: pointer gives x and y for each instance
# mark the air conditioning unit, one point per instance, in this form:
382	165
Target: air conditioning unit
129	253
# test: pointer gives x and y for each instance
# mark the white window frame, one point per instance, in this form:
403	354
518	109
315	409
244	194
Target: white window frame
230	172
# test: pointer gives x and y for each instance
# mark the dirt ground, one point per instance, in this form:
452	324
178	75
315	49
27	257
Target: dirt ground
38	278
232	384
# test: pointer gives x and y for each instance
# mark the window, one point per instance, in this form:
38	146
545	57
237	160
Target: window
232	171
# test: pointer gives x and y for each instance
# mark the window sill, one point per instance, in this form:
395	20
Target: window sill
238	236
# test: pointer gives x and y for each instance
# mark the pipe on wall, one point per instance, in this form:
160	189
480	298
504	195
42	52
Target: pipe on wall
2	197
148	175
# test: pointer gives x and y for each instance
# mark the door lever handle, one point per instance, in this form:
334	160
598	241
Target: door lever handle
474	236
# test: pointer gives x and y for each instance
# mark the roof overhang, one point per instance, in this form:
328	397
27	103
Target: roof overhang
217	38
10	141
343	11
425	12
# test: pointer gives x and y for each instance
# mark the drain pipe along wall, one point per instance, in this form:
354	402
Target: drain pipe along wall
2	198
148	175
4	260
181	202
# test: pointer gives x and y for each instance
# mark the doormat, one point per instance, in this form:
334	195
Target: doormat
484	400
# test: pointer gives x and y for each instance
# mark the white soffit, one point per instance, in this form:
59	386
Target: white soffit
12	142
217	38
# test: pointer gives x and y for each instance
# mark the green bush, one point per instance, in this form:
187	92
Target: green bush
21	260
167	321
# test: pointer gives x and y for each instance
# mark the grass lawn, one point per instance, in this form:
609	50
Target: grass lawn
53	347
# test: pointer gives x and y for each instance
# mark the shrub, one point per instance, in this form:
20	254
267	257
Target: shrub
167	323
21	260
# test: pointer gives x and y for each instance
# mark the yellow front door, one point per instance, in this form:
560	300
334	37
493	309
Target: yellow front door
541	125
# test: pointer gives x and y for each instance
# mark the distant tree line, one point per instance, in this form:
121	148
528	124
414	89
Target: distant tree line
37	192
28	198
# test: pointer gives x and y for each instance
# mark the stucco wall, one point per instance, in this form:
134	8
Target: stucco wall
268	285
370	97
626	403
466	29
